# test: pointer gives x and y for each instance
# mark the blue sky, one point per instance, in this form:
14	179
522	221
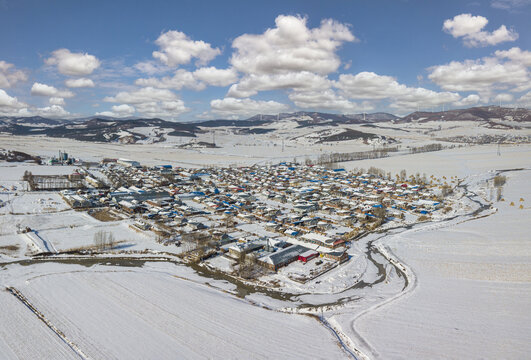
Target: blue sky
192	60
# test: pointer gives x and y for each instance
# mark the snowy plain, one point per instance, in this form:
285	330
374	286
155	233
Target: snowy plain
113	312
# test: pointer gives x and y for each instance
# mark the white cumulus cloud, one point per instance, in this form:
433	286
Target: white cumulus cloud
327	100
231	107
525	99
56	101
176	48
163	109
48	90
52	111
423	98
253	83
197	80
9	104
369	85
503	98
141	96
216	77
291	47
471	99
289	56
73	64
9	75
79	83
119	111
516	54
480	75
151	102
470	28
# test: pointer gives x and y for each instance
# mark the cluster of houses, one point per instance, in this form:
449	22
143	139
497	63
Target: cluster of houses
276	214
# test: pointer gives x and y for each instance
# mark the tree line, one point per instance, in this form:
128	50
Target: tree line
333	158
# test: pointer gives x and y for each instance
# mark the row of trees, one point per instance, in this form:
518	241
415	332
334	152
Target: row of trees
104	240
401	176
333	158
426	148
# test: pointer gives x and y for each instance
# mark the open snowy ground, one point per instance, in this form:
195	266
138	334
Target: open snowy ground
70	230
452	162
11	173
113	312
233	149
54	221
285	142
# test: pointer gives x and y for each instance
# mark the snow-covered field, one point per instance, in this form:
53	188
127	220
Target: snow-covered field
11	174
285	142
452	162
24	336
112	312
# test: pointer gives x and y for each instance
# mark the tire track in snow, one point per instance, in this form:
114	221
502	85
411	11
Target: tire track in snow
345	347
48	323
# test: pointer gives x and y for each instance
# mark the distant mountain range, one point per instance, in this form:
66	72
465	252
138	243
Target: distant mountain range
483	113
105	129
303	118
96	129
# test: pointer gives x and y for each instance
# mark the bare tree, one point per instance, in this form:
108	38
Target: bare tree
99	240
499	181
110	241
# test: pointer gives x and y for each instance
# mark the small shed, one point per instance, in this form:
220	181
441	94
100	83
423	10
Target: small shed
308	255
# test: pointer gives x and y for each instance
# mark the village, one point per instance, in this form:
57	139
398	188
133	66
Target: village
249	221
259	180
